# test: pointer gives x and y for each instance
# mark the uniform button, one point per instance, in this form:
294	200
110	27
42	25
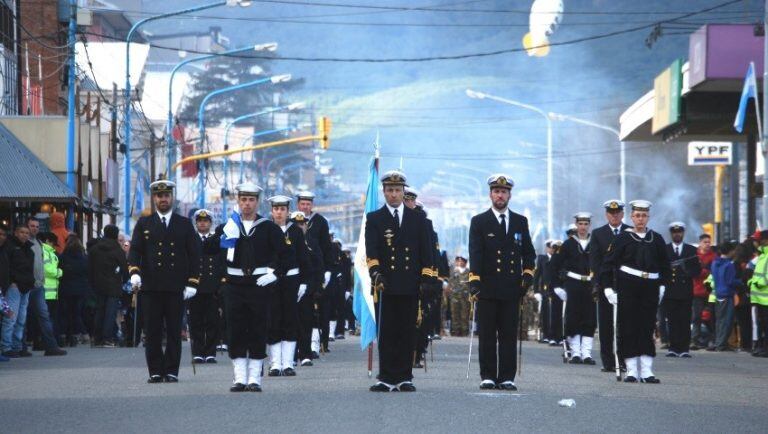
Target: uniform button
406	267
393	258
160	243
498	270
159	264
499	261
406	249
407	258
173	254
498	251
392	267
159	253
171	243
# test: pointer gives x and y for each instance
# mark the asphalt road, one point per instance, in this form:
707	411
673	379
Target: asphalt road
105	390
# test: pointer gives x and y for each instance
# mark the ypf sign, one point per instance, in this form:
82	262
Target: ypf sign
709	153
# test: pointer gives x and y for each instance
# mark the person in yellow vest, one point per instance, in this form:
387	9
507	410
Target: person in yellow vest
758	295
52	274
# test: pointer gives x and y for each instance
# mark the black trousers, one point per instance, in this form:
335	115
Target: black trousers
307	321
743	316
580	309
425	329
762	325
247	310
203	324
437	316
605	324
638	303
221	318
678	316
162	310
497	322
398	326
284	311
555	326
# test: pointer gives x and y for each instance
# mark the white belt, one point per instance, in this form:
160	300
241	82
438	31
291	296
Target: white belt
638	273
292	272
577	276
238	272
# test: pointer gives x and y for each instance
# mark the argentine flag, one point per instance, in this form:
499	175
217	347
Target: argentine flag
749	91
363	299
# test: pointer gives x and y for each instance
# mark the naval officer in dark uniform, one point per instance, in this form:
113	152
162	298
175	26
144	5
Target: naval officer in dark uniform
204	307
636	271
502	260
677	304
399	257
164	261
602	237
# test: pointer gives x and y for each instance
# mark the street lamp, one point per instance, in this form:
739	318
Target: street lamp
201	121
225	192
622	149
270	46
479	95
127	115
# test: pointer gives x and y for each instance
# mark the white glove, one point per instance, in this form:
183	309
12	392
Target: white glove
611	295
537	296
561	293
327	277
445	284
347	295
302	290
339	275
266	279
662	290
135	280
117	269
189	292
231	229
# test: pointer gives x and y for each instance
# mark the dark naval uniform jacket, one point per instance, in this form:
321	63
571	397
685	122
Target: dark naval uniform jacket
498	261
262	249
294	237
685	267
601	238
212	265
404	255
571	257
167	258
317	228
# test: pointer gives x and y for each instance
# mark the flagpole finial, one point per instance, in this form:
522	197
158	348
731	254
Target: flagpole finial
377	145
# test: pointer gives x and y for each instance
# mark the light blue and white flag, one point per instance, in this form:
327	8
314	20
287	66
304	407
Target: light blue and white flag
749	91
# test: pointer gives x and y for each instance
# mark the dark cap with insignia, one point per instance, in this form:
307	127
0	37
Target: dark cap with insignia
298	217
248	189
613	205
279	200
162	186
460	258
571	229
640	205
203	214
410	193
305	195
583	217
419	204
394	177
676	226
500	181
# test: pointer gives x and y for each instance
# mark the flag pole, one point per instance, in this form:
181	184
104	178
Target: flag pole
765	110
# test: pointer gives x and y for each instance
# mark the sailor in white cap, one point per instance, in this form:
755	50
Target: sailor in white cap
635	273
571	279
257	255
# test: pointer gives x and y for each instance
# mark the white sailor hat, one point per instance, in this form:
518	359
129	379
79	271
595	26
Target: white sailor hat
614	205
557	242
410	193
571	229
583	216
305	195
677	226
202	214
280	200
499	180
248	189
394	177
162	186
640	205
419	204
298	217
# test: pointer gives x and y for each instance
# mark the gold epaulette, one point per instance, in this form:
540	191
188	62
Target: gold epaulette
474	277
194	280
528	271
372	262
426	271
134	269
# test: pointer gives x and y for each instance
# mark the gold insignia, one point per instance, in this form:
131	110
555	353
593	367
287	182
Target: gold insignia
502	180
287	241
613	205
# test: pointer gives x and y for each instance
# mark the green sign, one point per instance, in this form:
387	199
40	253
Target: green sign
667	88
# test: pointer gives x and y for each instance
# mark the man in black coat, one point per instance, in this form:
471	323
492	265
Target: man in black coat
602	237
164	261
542	292
21	280
107	270
501	260
399	258
678	298
204	306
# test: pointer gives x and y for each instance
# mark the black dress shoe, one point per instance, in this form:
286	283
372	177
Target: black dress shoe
331	339
314	355
650	380
210	359
198	359
253	387
339	337
507	385
289	372
307	362
155	379
608	369
588	361
171	378
25	353
237	387
665	347
274	373
575	360
325	349
418	365
407	387
487	385
630	379
380	387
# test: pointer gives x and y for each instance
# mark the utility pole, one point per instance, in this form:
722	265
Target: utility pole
71	106
113	148
152	174
765	107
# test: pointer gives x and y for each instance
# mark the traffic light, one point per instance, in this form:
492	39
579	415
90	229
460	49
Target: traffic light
324	132
709	229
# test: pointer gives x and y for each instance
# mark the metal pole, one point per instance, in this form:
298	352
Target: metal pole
71	104
550	186
765	111
623	170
